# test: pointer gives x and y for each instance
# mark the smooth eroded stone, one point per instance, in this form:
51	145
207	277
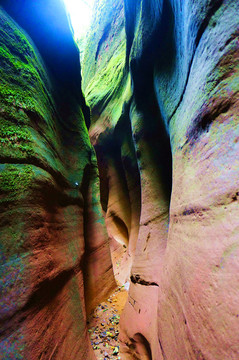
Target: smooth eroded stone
176	134
46	194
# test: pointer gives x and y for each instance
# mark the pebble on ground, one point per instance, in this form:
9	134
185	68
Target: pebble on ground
103	326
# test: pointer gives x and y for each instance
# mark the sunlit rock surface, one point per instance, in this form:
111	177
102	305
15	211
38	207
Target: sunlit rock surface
162	83
54	249
107	87
161	80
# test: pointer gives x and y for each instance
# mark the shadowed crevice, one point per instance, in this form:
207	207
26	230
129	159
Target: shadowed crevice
136	279
214	6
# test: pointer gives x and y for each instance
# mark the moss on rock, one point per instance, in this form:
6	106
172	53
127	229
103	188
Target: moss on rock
15	179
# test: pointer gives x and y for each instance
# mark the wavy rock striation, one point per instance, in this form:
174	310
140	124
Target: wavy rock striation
54	249
161	79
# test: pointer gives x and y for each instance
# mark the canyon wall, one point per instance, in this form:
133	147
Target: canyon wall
161	79
54	249
158	188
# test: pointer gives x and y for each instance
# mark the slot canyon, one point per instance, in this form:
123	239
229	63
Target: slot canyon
119	169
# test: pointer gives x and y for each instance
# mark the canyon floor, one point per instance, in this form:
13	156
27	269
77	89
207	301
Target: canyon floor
103	325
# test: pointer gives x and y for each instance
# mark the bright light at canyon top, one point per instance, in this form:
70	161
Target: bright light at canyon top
80	15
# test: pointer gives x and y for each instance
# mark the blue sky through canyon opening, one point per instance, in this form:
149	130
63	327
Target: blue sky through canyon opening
80	14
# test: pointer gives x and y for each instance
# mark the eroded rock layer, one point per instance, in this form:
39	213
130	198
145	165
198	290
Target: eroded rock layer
161	79
54	247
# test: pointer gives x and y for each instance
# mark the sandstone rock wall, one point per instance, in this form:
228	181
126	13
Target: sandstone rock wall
54	249
106	85
164	122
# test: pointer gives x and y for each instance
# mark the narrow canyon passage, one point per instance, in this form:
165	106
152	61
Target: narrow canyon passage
119	181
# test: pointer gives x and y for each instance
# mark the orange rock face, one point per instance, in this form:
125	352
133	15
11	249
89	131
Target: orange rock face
165	129
150	175
54	248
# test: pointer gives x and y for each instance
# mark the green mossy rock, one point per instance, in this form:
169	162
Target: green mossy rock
48	176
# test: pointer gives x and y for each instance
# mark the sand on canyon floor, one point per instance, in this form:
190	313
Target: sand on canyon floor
103	325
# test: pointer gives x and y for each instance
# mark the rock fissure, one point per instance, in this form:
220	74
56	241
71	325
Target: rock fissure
136	279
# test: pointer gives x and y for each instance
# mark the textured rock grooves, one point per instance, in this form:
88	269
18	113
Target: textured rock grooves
54	249
162	85
139	185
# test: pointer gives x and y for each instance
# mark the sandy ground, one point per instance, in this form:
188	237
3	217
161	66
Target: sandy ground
103	325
